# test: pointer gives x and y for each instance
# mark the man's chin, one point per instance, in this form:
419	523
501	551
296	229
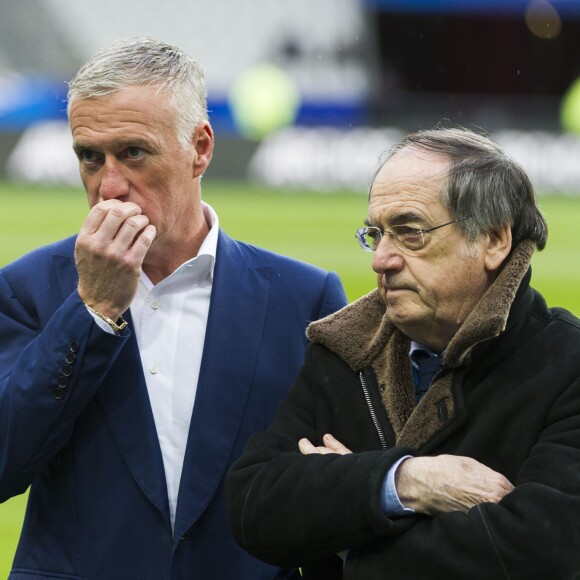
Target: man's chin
402	314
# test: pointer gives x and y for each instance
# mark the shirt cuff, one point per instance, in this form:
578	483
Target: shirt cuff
390	503
101	323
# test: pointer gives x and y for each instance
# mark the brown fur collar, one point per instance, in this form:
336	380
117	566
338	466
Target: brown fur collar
362	335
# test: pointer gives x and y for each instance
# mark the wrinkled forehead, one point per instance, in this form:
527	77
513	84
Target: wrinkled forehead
412	167
409	187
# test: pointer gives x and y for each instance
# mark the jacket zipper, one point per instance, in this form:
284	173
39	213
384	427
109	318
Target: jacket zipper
372	411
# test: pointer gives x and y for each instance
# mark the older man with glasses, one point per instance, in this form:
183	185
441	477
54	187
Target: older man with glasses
434	429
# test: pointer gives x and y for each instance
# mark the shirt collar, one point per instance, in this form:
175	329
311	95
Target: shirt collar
416	347
209	245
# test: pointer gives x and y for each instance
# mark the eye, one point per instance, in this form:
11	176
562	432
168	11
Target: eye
88	156
411	238
134	153
405	231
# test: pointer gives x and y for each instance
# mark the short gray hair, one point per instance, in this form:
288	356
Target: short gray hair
484	183
143	61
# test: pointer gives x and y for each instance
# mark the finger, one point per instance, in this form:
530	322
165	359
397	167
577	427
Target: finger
141	244
506	484
96	216
306	447
334	445
129	232
115	219
107	217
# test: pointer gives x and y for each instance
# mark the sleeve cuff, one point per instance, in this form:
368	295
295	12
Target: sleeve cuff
390	503
100	322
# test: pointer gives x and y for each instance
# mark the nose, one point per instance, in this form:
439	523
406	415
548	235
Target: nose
113	183
387	256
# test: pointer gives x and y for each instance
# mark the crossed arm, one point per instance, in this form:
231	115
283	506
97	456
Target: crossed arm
291	503
434	485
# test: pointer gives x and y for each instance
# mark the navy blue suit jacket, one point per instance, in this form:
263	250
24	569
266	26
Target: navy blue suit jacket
76	423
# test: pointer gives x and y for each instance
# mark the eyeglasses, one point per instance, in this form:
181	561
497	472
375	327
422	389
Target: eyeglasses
404	237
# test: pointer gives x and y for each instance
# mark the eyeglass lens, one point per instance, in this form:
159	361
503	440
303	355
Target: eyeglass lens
403	236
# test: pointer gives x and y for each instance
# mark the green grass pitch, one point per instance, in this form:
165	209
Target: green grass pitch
318	228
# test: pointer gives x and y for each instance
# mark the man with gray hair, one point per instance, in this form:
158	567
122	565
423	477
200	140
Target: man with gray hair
434	429
139	356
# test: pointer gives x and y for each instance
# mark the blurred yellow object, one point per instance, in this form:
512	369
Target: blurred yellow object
570	109
264	100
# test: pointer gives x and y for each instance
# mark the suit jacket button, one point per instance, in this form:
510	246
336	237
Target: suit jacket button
67	370
74	345
58	393
70	358
62	382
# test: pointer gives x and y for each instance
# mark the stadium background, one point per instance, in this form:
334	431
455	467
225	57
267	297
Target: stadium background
304	97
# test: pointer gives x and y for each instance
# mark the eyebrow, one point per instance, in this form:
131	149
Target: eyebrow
405	217
119	145
401	218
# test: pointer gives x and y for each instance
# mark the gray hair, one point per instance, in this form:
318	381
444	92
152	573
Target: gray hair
143	61
484	183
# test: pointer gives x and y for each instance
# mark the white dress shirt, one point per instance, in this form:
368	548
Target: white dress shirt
169	322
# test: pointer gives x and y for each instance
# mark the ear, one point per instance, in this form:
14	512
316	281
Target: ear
202	140
499	245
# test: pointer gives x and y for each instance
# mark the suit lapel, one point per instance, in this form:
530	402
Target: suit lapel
239	302
125	405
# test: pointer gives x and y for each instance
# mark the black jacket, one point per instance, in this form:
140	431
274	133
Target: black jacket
508	396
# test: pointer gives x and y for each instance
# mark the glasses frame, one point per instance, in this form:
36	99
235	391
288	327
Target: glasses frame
362	232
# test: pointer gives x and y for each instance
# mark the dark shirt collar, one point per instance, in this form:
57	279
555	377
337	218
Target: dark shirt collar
416	348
